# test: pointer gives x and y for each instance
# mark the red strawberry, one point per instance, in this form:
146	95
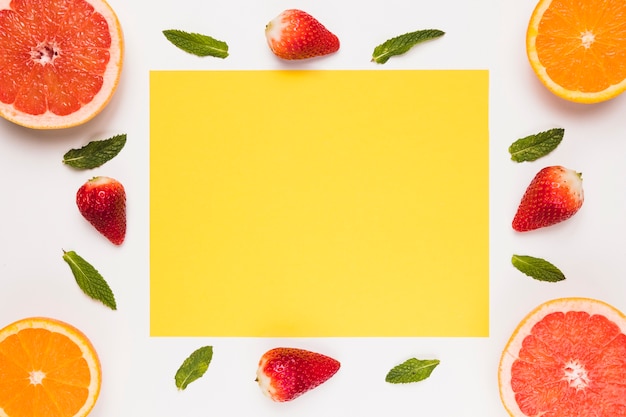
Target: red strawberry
287	373
102	201
554	195
295	34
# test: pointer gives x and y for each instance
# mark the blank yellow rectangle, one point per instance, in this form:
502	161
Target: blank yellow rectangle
319	203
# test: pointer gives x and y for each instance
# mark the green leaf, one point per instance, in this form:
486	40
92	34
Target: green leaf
95	153
194	367
197	44
402	44
89	279
537	268
535	146
412	370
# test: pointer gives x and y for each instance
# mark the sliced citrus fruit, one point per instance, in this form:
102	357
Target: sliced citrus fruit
60	61
577	48
47	368
566	358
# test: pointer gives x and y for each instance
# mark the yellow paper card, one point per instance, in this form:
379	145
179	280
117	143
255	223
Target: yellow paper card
319	203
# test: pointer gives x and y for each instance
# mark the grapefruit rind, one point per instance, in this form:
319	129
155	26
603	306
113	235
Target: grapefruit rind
88	111
514	344
541	72
76	336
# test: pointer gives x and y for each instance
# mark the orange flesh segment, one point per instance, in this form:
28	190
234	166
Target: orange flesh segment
64	375
584	49
590	349
54	57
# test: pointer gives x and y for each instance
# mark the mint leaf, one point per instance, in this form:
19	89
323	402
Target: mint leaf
537	268
193	367
95	153
402	44
196	43
89	279
412	370
535	146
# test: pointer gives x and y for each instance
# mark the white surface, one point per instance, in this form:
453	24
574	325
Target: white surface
39	218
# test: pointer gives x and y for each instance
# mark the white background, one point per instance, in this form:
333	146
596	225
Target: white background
39	219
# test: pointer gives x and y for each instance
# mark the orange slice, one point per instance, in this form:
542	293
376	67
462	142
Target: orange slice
47	368
60	61
566	358
577	48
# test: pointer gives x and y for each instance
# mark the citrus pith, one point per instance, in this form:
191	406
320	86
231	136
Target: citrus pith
60	61
566	358
577	49
47	368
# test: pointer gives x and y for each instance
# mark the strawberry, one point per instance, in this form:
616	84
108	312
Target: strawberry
554	195
295	34
286	373
102	201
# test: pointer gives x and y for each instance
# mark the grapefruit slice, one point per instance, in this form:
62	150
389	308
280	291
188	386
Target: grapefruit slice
47	368
60	61
566	358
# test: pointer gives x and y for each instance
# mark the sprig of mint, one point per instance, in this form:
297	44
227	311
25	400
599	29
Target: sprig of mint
533	147
196	43
402	44
537	268
193	367
95	153
89	279
411	370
